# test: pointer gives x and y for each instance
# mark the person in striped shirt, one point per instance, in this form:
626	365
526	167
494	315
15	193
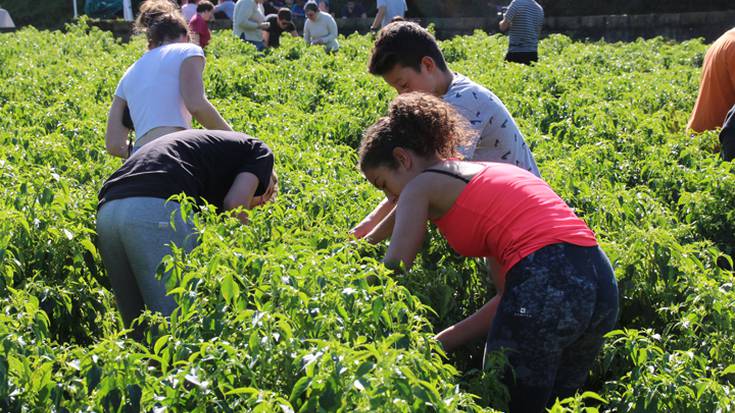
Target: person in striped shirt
523	21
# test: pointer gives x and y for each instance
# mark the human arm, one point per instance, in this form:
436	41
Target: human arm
307	32
409	230
378	18
475	326
384	228
332	30
504	24
195	39
507	21
192	92
241	194
266	38
116	134
196	30
373	219
478	324
243	15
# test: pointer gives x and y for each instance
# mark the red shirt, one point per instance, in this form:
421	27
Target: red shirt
507	213
199	26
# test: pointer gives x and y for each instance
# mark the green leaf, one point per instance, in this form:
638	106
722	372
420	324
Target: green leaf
299	387
360	384
594	396
160	343
229	288
329	399
377	308
243	390
364	368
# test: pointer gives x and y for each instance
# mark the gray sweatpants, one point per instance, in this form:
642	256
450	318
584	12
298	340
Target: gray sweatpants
134	234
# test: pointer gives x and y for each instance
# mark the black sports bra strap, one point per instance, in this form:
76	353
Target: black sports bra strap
447	173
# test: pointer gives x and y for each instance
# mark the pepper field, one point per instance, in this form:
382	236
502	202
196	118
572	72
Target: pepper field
288	314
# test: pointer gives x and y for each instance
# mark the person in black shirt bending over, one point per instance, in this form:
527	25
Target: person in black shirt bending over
136	224
277	24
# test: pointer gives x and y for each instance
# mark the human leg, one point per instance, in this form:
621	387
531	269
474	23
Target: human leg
116	262
579	356
546	307
147	237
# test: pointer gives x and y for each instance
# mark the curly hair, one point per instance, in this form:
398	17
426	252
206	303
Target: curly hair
417	121
160	20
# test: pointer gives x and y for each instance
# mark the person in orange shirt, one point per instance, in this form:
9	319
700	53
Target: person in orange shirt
717	89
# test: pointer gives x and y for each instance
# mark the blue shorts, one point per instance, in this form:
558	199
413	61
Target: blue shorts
558	303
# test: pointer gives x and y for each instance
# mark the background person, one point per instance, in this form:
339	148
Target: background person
408	58
387	10
523	21
198	25
717	88
320	28
298	9
163	89
224	9
249	22
324	6
557	294
353	10
277	24
727	137
189	9
226	169
271	7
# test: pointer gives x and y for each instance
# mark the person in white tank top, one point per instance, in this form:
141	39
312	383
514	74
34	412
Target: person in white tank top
163	89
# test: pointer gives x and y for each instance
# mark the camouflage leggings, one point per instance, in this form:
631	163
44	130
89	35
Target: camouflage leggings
558	303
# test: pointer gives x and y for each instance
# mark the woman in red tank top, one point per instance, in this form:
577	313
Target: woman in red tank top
557	294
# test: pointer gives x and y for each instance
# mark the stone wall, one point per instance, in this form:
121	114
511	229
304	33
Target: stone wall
675	26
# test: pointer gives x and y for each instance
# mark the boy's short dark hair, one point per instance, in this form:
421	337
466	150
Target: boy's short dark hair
284	14
204	6
404	43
